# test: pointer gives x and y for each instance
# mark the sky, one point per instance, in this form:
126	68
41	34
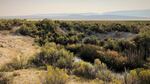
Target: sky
30	7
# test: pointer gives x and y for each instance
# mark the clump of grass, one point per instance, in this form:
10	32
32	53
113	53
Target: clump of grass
56	76
21	62
96	71
84	69
138	76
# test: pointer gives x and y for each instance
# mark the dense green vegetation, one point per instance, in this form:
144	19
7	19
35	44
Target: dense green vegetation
78	48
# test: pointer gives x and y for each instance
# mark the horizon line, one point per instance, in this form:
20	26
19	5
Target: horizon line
101	13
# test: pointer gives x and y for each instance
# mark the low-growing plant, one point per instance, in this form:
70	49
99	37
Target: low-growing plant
113	59
91	40
54	55
89	52
101	71
56	76
84	69
138	76
21	62
97	71
144	76
75	48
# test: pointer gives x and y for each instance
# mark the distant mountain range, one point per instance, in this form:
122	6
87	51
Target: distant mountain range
117	15
133	13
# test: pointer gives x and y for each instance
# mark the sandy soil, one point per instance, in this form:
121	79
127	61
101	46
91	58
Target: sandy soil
26	76
12	47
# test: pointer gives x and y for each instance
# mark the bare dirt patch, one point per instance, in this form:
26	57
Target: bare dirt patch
12	47
26	76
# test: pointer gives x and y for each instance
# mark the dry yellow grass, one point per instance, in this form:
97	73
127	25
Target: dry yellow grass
26	76
12	47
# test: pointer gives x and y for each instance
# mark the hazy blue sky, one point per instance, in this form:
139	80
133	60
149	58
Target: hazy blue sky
29	7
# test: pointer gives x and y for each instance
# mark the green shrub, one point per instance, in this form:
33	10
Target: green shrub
9	24
111	44
139	76
75	48
88	52
113	59
142	42
83	69
144	76
91	40
54	55
29	30
101	71
97	71
132	78
56	76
